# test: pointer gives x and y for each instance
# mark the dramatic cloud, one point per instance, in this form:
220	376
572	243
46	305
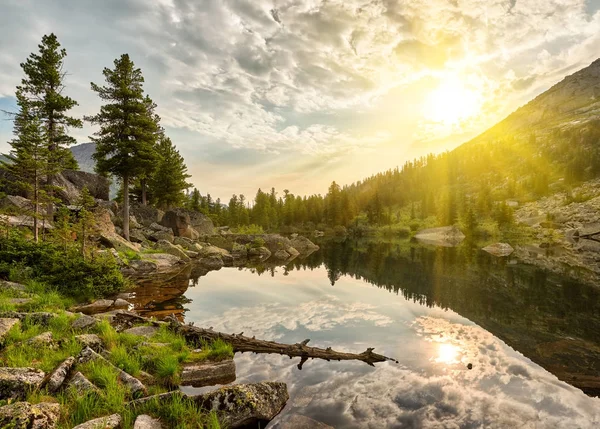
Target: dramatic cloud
310	83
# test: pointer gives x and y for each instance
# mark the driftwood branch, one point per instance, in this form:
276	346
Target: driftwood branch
242	344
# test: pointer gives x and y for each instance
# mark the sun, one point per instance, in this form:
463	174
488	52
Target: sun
448	353
452	102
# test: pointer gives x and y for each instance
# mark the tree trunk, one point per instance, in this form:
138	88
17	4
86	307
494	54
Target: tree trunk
143	184
36	205
126	207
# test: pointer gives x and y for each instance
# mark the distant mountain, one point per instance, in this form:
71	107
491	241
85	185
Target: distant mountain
83	154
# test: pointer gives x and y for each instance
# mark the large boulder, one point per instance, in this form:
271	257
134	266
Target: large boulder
245	404
6	325
187	223
499	249
146	215
23	415
172	249
162	235
303	245
144	421
56	378
115	241
155	262
15	204
16	383
200	374
97	185
445	236
259	253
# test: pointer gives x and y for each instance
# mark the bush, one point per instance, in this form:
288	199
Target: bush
257	242
65	270
249	229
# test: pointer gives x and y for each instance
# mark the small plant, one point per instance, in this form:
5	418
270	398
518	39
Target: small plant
257	242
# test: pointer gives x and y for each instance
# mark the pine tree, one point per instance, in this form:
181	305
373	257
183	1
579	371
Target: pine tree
29	157
169	181
125	143
43	88
196	201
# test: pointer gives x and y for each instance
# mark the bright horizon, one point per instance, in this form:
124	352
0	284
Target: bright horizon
296	94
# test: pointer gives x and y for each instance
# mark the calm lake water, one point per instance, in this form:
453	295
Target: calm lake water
435	310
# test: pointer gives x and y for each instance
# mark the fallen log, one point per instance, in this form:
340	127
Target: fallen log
241	343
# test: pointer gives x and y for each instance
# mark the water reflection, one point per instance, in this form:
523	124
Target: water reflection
550	319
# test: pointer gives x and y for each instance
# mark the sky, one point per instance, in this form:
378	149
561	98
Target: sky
297	93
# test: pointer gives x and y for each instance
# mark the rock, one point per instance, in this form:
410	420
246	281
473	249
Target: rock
446	236
499	249
137	236
144	421
14	204
97	185
23	415
245	404
6	325
120	303
162	235
171	249
15	383
20	301
275	242
82	385
213	251
108	422
187	223
84	322
191	254
298	421
303	245
208	373
135	386
156	262
239	252
92	341
56	378
318	233
260	253
212	262
15	287
184	242
97	306
156	227
281	255
38	318
118	243
144	377
45	340
146	215
154	398
142	331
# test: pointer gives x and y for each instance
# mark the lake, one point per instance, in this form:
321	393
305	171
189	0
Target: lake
435	310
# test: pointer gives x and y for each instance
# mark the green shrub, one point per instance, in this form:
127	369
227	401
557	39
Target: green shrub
257	242
249	229
67	271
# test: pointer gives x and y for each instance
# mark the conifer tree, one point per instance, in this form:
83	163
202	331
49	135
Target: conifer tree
125	143
42	88
28	160
169	181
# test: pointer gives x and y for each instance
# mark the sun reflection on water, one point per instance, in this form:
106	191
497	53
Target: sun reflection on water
448	353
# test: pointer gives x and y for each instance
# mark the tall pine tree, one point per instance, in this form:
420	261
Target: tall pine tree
169	180
125	142
43	89
29	157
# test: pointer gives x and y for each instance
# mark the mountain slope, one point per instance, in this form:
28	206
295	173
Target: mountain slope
83	154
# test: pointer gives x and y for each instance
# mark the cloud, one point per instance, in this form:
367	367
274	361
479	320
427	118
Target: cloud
307	78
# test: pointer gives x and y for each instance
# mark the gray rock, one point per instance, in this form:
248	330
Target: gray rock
445	236
137	236
191	254
92	341
171	249
187	223
23	415
156	262
84	322
303	245
15	383
499	249
120	303
212	262
95	307
142	331
76	180
6	325
108	422
259	253
38	318
208	373
45	340
56	378
158	398
82	385
298	421
154	226
144	421
162	235
281	255
6	285
245	404
186	243
115	241
135	386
